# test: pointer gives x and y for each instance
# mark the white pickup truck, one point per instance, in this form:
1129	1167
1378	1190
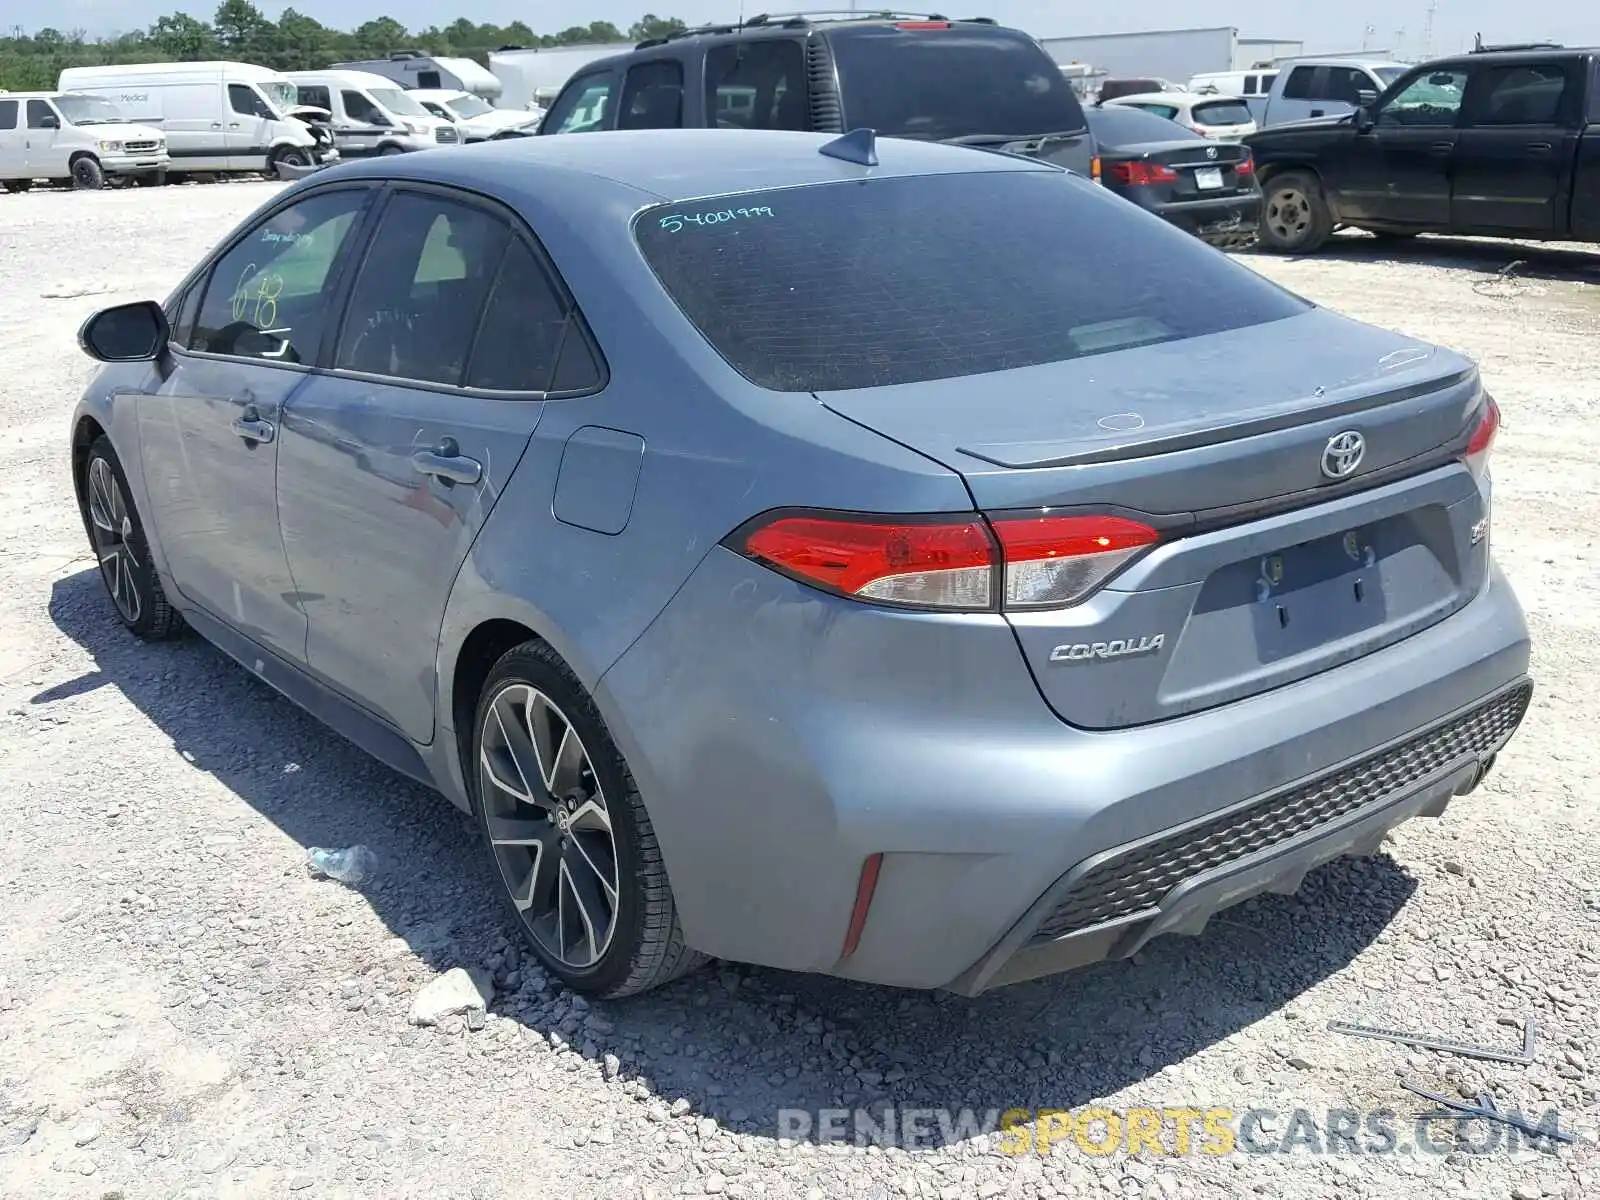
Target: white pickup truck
1307	88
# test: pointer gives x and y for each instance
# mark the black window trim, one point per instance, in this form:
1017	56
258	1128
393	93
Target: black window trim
204	275
520	232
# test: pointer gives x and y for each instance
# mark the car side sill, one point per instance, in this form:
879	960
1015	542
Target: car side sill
385	744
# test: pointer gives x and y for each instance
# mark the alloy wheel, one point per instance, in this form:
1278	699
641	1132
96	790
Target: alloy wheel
549	826
112	528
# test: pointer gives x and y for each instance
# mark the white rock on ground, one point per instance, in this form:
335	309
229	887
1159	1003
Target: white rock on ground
458	992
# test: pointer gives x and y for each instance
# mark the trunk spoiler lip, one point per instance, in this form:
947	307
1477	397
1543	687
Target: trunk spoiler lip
1016	456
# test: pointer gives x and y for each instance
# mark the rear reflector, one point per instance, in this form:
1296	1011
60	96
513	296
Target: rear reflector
949	563
865	886
1477	452
1141	174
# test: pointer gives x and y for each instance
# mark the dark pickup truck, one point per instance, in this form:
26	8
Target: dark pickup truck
1494	143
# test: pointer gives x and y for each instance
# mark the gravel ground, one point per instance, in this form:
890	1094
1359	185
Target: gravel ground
184	1011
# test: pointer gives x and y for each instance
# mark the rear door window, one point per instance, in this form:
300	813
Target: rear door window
757	84
421	290
1301	84
8	114
583	106
652	96
964	81
1531	94
876	282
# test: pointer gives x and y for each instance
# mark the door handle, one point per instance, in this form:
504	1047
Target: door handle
446	463
1540	147
1441	148
252	428
233	124
216	124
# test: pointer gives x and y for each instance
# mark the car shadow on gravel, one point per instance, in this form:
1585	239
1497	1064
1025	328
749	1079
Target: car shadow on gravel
1481	257
756	1051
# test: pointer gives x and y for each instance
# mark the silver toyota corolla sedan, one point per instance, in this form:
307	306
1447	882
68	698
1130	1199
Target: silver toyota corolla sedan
847	556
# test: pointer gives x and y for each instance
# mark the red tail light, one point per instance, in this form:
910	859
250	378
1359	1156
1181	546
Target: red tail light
952	563
1140	174
1477	452
1245	166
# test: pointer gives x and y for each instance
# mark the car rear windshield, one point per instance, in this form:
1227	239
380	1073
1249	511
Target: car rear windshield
1223	112
835	286
1118	125
956	82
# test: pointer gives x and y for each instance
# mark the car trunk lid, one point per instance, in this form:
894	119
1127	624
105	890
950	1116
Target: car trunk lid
1269	569
1191	169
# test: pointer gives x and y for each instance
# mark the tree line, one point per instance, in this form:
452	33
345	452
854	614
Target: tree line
239	31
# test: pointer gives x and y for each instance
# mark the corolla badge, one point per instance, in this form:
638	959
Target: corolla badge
1116	648
1343	454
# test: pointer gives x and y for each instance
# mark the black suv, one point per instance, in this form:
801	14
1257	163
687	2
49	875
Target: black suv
971	82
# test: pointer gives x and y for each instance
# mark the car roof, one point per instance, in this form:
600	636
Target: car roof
678	164
786	25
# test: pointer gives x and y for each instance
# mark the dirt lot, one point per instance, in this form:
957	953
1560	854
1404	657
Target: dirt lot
185	1012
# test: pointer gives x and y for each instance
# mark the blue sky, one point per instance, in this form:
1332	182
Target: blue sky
1337	25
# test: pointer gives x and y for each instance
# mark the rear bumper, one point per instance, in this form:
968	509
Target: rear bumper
1111	905
1218	215
780	737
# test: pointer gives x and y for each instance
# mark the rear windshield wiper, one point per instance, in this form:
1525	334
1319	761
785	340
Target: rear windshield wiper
1001	139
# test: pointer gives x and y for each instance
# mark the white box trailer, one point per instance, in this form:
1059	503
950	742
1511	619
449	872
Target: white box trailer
532	78
1175	54
413	69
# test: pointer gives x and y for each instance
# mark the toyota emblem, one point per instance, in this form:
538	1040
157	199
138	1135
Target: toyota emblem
1343	454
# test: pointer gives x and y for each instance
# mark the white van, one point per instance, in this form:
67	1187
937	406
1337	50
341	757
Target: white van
217	116
477	120
58	135
371	114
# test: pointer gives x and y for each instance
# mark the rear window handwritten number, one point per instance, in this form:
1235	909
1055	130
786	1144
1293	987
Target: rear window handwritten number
677	221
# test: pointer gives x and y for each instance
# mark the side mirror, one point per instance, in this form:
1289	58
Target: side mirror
1365	119
127	333
1366	98
50	121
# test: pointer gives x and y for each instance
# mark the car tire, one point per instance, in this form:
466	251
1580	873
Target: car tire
87	174
571	844
1294	214
386	151
286	156
117	537
17	185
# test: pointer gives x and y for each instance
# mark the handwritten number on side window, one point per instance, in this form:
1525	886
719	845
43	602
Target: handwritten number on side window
261	301
677	221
